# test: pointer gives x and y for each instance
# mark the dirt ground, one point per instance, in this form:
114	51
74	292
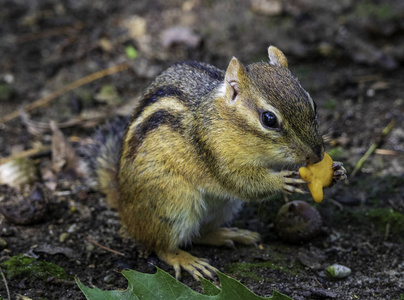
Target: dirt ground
347	54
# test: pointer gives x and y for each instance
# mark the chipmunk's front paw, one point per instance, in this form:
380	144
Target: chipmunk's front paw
339	171
194	265
292	182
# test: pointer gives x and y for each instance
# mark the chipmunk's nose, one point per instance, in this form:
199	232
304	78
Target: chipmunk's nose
316	155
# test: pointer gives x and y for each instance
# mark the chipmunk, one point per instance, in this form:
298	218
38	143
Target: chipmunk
200	143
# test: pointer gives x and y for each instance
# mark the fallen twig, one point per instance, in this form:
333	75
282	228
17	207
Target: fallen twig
103	247
52	96
387	231
386	152
5	284
372	148
367	78
37	129
49	33
27	153
35	152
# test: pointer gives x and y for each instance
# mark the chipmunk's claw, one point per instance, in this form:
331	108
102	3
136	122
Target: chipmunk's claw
292	182
197	267
339	172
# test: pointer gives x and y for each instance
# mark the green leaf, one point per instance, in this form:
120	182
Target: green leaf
209	288
162	285
96	293
131	52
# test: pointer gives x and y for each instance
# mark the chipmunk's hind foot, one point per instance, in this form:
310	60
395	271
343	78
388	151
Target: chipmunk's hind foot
197	267
227	236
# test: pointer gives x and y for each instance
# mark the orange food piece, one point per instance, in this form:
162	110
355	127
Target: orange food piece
318	175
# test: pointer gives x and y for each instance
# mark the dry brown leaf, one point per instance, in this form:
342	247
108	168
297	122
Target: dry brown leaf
63	155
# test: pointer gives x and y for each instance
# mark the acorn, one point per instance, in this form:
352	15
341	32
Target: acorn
297	221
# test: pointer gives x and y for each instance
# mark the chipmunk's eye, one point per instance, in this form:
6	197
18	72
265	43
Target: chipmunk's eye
268	119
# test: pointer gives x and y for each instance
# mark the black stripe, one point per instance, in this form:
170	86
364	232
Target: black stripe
205	153
212	71
148	99
160	117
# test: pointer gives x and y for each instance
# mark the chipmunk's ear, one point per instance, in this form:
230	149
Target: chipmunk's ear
276	57
235	74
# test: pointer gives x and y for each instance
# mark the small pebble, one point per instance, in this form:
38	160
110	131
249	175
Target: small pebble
89	247
180	35
337	271
64	237
110	278
267	8
72	228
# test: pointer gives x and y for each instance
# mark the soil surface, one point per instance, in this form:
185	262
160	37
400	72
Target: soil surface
347	54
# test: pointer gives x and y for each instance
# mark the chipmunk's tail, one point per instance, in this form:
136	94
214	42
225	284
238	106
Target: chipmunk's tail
100	158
